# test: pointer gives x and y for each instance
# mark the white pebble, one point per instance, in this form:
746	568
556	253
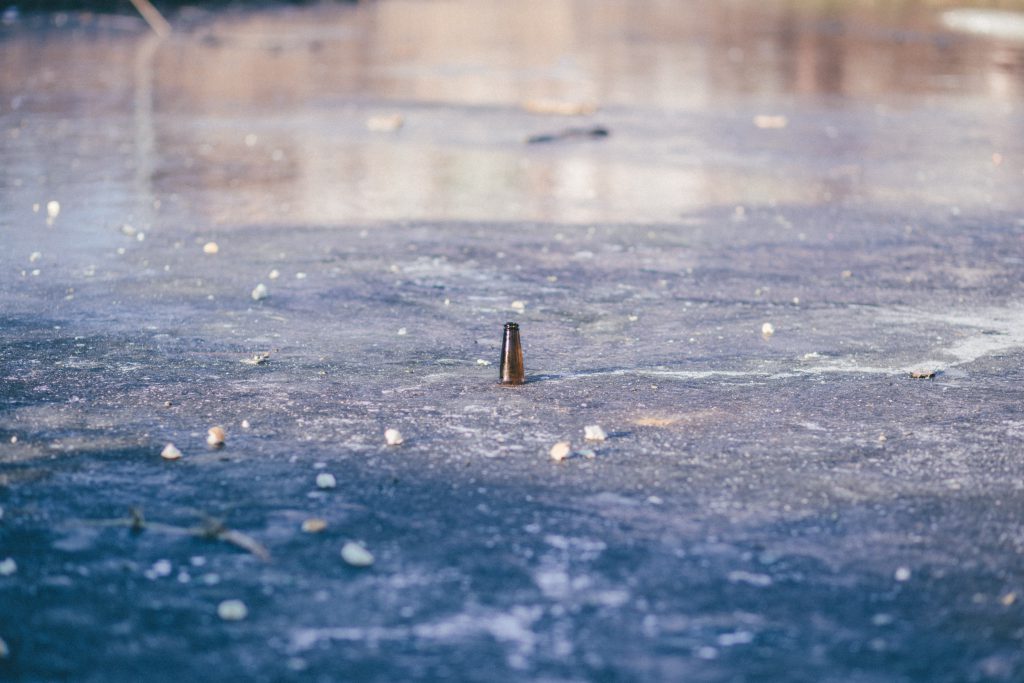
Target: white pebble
402	331
170	452
326	480
211	248
902	574
232	610
481	361
245	424
8	567
518	306
385	123
393	437
274	274
162	568
215	436
35	256
356	555
259	292
560	451
52	209
767	330
594	433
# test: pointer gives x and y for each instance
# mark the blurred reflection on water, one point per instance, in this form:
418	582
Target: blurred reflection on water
258	117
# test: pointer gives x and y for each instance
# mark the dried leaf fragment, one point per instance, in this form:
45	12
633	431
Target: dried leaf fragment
314	525
559	107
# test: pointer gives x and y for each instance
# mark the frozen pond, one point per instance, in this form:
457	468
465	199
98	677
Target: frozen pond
796	206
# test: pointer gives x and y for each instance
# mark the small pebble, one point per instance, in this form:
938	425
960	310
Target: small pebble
274	274
767	330
560	451
232	610
388	123
215	436
402	331
162	568
170	452
393	437
259	292
902	574
245	424
52	209
8	567
518	306
356	555
326	480
314	525
481	361
210	248
594	433
35	256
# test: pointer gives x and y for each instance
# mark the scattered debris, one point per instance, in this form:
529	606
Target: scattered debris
559	107
259	292
314	525
326	480
767	330
232	610
210	248
560	451
922	374
211	528
592	132
257	358
385	123
655	421
594	433
215	436
8	567
356	555
393	437
170	452
769	121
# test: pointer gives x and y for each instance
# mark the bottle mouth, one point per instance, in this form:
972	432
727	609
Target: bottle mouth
511	326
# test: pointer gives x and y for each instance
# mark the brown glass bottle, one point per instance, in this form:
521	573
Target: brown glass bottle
512	356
